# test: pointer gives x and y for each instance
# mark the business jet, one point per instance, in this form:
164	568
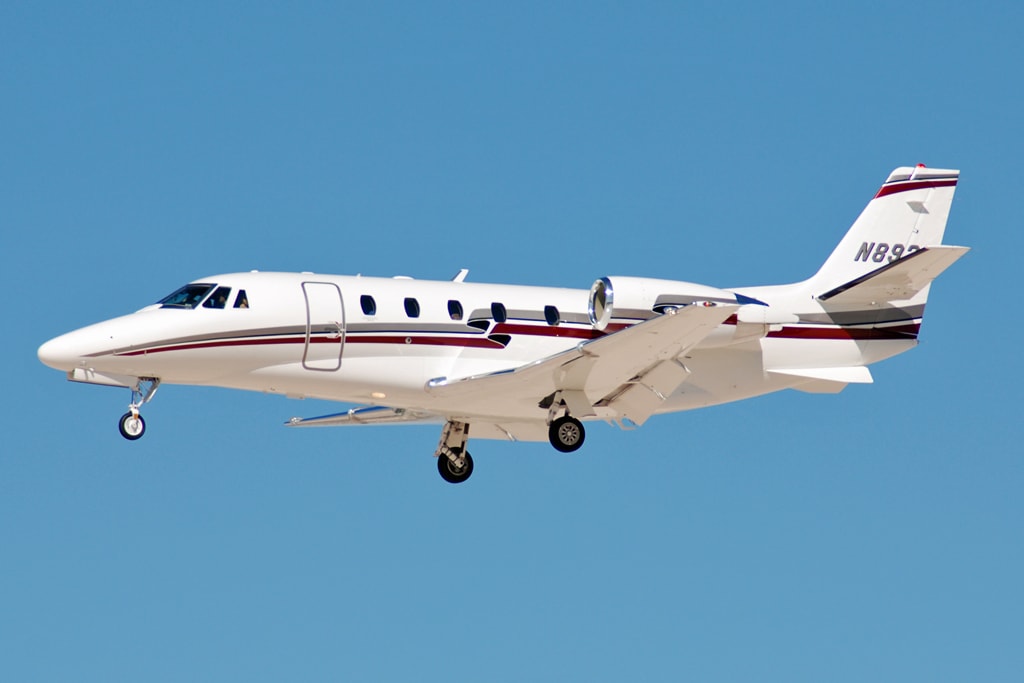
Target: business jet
526	363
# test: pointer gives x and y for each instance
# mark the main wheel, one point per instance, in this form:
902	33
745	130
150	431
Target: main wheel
452	474
132	427
566	434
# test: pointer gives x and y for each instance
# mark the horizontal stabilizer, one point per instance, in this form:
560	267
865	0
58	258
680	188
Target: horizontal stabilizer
827	380
856	374
367	415
899	280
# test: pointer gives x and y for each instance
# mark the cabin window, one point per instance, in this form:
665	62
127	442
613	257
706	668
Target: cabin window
219	298
188	296
498	312
368	305
454	309
412	307
241	301
551	315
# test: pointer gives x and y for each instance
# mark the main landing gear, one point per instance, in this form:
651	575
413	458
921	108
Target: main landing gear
566	434
454	462
132	426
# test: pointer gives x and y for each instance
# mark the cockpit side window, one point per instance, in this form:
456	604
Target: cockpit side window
219	299
188	296
241	301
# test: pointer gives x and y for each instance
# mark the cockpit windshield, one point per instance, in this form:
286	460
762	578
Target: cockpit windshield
219	299
188	296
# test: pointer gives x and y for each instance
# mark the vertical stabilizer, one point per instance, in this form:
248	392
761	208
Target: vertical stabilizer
907	214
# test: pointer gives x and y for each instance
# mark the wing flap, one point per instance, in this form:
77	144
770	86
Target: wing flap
641	397
509	431
367	415
899	280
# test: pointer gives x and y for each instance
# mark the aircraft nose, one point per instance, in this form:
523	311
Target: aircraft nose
60	353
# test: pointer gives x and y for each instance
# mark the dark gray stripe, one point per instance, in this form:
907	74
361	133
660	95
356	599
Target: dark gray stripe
686	300
871	316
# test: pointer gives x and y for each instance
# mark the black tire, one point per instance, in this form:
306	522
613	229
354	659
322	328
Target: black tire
449	472
126	428
567	434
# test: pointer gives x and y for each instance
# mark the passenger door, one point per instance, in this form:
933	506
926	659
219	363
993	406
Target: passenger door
325	326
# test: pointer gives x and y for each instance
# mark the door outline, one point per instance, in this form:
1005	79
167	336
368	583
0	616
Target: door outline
324	303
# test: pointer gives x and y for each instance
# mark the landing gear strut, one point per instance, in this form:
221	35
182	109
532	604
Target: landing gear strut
454	462
132	426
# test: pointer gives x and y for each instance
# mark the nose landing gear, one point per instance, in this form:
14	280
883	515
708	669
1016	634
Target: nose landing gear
132	426
454	462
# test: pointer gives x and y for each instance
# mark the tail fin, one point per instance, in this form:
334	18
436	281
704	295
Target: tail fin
907	214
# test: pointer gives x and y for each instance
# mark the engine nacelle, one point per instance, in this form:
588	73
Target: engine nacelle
633	299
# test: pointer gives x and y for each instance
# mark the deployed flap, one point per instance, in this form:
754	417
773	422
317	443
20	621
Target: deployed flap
899	280
367	415
509	431
599	367
639	398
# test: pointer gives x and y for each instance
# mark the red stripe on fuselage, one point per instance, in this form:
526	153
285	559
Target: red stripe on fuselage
474	342
225	343
471	342
789	332
545	331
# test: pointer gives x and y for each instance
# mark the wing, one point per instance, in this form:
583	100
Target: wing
368	415
382	415
630	372
899	280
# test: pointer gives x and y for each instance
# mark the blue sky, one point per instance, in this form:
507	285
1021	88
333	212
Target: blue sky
873	535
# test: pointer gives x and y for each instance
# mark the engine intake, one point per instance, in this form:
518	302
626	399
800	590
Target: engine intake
634	299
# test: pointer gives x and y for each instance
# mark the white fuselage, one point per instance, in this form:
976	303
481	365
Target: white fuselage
531	363
378	341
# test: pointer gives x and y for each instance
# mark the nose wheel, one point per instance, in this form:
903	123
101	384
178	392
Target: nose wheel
132	426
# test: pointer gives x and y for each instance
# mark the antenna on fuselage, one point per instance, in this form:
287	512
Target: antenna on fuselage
461	275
